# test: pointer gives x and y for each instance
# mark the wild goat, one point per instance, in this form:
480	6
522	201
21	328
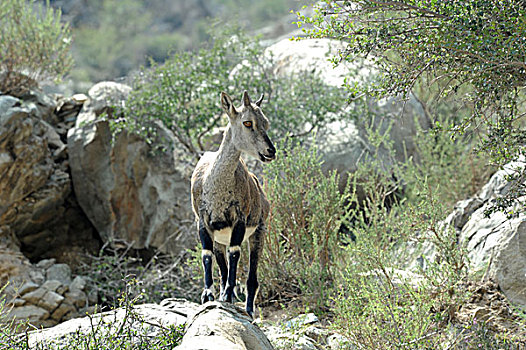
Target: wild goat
228	201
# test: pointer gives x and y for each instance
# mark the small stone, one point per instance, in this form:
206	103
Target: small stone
302	320
50	301
59	272
339	342
52	285
35	296
93	296
77	297
62	310
27	288
79	98
78	283
29	312
45	263
37	277
18	302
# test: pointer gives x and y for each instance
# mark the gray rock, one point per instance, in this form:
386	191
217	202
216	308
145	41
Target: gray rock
37	277
77	297
29	312
344	144
78	283
35	296
52	285
63	309
106	94
45	263
27	287
128	192
18	302
339	342
302	320
218	326
50	301
151	320
59	272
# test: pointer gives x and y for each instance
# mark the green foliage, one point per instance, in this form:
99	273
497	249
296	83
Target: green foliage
473	50
302	246
184	92
155	279
34	45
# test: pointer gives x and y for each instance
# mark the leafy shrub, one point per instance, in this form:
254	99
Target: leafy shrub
183	93
34	45
156	278
302	247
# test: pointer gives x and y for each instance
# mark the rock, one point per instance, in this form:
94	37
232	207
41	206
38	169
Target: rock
105	94
59	272
302	320
496	244
54	286
45	263
63	309
27	287
150	321
77	297
218	326
339	342
50	301
128	192
35	185
32	313
78	283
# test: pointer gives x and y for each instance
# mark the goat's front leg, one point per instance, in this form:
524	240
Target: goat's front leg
255	248
234	252
207	244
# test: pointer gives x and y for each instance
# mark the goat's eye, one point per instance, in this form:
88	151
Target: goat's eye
248	124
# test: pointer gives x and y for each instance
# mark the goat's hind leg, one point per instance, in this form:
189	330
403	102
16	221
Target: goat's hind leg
220	254
255	249
207	244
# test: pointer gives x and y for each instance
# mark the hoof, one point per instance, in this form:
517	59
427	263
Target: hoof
227	295
207	295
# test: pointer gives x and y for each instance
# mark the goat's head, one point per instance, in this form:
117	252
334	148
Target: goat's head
249	127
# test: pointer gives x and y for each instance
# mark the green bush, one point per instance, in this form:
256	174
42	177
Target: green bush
302	247
34	45
183	93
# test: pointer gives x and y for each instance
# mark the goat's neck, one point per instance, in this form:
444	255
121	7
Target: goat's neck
227	157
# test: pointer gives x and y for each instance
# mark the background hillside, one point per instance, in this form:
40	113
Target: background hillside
113	37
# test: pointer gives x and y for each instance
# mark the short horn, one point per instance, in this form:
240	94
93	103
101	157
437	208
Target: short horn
246	99
258	102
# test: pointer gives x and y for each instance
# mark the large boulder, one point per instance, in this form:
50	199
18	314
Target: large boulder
496	243
345	144
36	201
128	191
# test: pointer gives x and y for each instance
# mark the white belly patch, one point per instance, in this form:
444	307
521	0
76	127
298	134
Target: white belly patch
223	236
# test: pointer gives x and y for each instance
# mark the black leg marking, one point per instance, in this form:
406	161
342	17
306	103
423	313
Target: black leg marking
219	252
256	247
207	247
234	252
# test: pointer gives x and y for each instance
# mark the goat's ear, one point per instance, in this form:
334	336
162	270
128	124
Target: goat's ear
246	99
258	102
226	103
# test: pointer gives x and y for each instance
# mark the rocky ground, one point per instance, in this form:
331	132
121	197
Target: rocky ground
69	187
